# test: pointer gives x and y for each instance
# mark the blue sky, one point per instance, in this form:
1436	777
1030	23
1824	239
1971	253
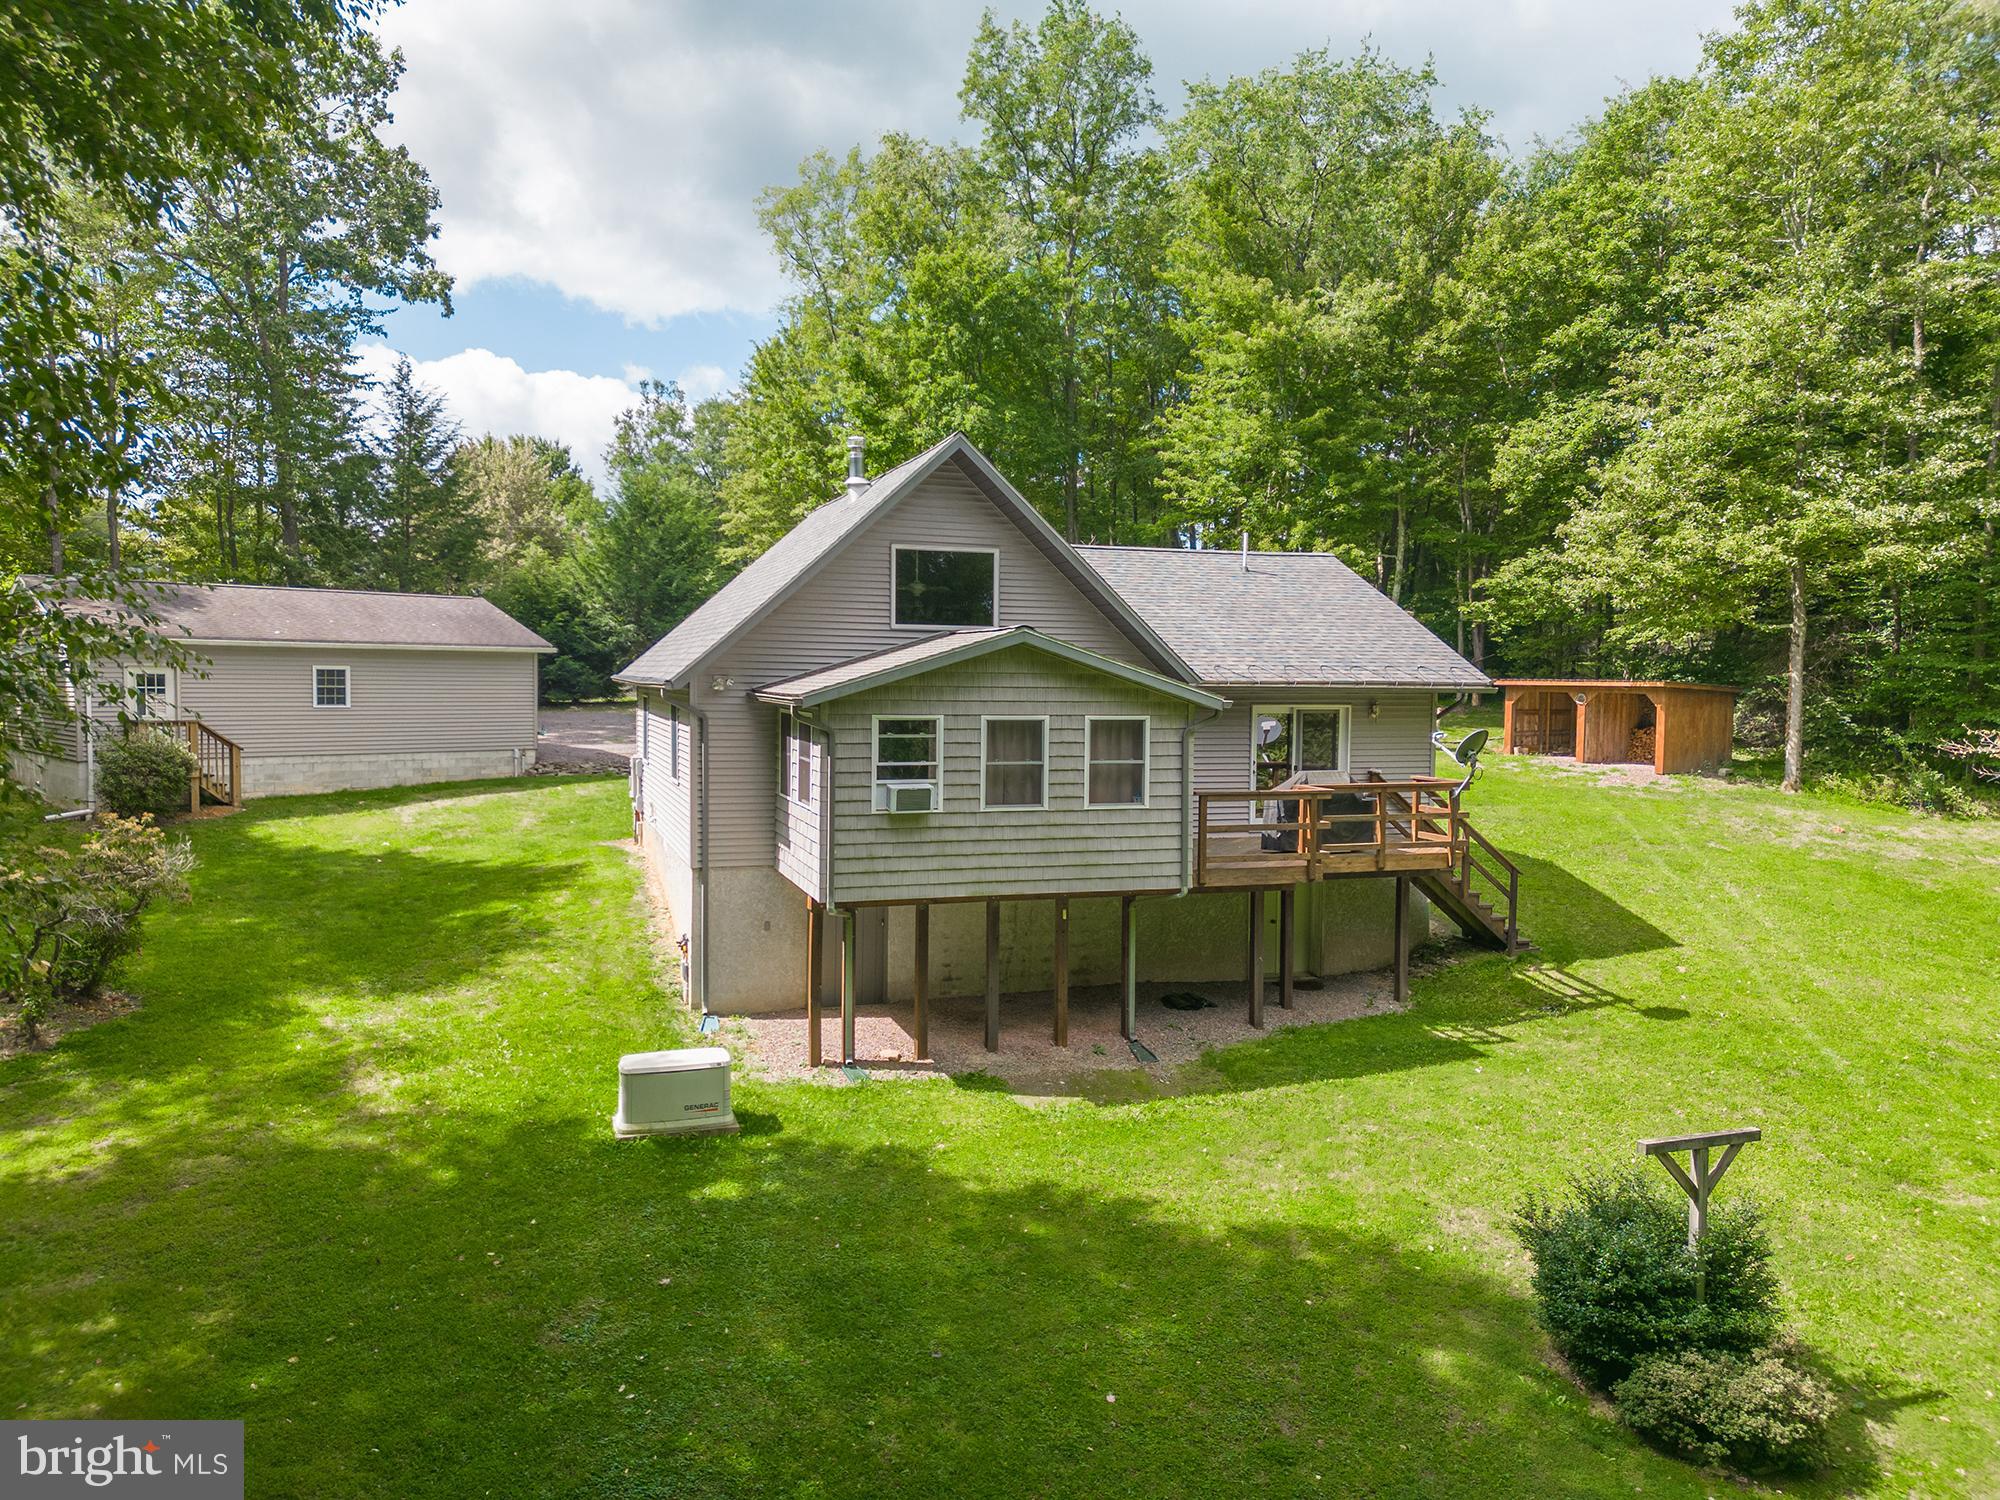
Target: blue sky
599	160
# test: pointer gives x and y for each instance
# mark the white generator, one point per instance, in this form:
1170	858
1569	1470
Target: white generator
684	1092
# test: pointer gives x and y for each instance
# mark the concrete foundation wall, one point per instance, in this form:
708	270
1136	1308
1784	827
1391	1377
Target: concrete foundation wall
757	928
283	775
54	780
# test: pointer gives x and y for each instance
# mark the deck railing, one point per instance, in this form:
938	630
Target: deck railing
1322	826
218	760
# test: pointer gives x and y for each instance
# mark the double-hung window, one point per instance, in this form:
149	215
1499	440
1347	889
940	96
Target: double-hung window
674	741
795	760
908	765
1014	766
329	687
1117	754
952	587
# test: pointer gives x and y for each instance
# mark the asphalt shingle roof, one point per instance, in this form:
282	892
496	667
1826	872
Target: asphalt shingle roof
1297	618
898	662
252	613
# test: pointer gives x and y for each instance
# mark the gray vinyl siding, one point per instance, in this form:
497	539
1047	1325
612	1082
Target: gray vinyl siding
842	612
667	778
966	851
400	701
1396	742
801	846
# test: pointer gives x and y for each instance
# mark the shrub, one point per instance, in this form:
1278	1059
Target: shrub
1757	1412
1615	1281
145	773
567	680
66	917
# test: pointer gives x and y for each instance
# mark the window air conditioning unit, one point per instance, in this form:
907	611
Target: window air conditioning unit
911	796
684	1092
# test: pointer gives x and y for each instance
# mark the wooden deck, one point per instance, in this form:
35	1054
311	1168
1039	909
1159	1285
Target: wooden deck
1320	831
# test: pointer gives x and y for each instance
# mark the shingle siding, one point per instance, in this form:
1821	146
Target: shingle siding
966	851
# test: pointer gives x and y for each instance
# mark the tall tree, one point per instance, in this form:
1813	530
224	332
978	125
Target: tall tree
657	552
428	536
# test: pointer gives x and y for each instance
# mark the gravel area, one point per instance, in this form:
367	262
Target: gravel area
586	739
1029	1062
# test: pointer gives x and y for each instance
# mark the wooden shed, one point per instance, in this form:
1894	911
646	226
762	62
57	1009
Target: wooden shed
1677	727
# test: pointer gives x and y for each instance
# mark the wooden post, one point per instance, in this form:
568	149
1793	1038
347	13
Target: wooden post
1062	971
194	778
815	966
1255	968
1402	939
1508	697
1285	902
1201	840
923	979
1128	971
235	775
1701	1186
993	976
848	997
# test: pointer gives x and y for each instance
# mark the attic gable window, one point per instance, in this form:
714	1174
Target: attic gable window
953	587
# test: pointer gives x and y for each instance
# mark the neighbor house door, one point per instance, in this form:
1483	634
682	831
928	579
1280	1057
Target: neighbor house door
152	692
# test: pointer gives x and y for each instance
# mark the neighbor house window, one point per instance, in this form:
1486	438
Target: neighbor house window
906	759
674	740
151	690
329	687
939	587
1015	769
795	759
1116	750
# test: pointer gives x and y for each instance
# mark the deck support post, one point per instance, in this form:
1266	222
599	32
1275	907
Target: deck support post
194	777
1254	970
1285	913
922	977
1062	971
1402	939
848	997
815	966
1128	972
992	976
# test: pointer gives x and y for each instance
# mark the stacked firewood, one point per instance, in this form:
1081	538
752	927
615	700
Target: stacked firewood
1642	744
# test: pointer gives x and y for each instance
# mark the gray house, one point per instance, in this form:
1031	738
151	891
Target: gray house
309	690
923	742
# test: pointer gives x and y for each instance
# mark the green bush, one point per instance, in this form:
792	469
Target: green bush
1755	1413
1615	1281
145	773
66	915
567	680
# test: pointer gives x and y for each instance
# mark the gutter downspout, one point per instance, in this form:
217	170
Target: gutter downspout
1187	799
700	922
87	727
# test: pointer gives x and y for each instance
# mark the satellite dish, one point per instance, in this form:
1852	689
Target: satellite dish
1465	752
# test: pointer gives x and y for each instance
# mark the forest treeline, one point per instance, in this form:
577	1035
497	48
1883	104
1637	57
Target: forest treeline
1709	388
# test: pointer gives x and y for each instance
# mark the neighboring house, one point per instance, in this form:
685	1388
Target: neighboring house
314	690
923	723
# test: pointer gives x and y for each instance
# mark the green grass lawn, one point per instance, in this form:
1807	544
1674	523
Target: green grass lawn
349	1175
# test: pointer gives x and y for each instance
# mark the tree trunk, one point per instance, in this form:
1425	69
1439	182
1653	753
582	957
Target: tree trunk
1795	686
282	473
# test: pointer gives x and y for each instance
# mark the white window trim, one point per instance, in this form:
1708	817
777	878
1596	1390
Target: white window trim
875	754
897	548
1012	807
673	742
346	684
169	699
1343	770
801	733
1145	761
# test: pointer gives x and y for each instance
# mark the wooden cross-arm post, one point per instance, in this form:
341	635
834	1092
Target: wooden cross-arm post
1699	1185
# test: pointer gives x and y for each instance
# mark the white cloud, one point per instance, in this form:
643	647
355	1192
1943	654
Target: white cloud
490	393
614	149
699	382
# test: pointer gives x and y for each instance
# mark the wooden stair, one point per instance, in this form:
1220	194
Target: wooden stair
218	760
1480	891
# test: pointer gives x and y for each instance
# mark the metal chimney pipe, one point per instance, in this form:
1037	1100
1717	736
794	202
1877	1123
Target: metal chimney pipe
857	474
1246	551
